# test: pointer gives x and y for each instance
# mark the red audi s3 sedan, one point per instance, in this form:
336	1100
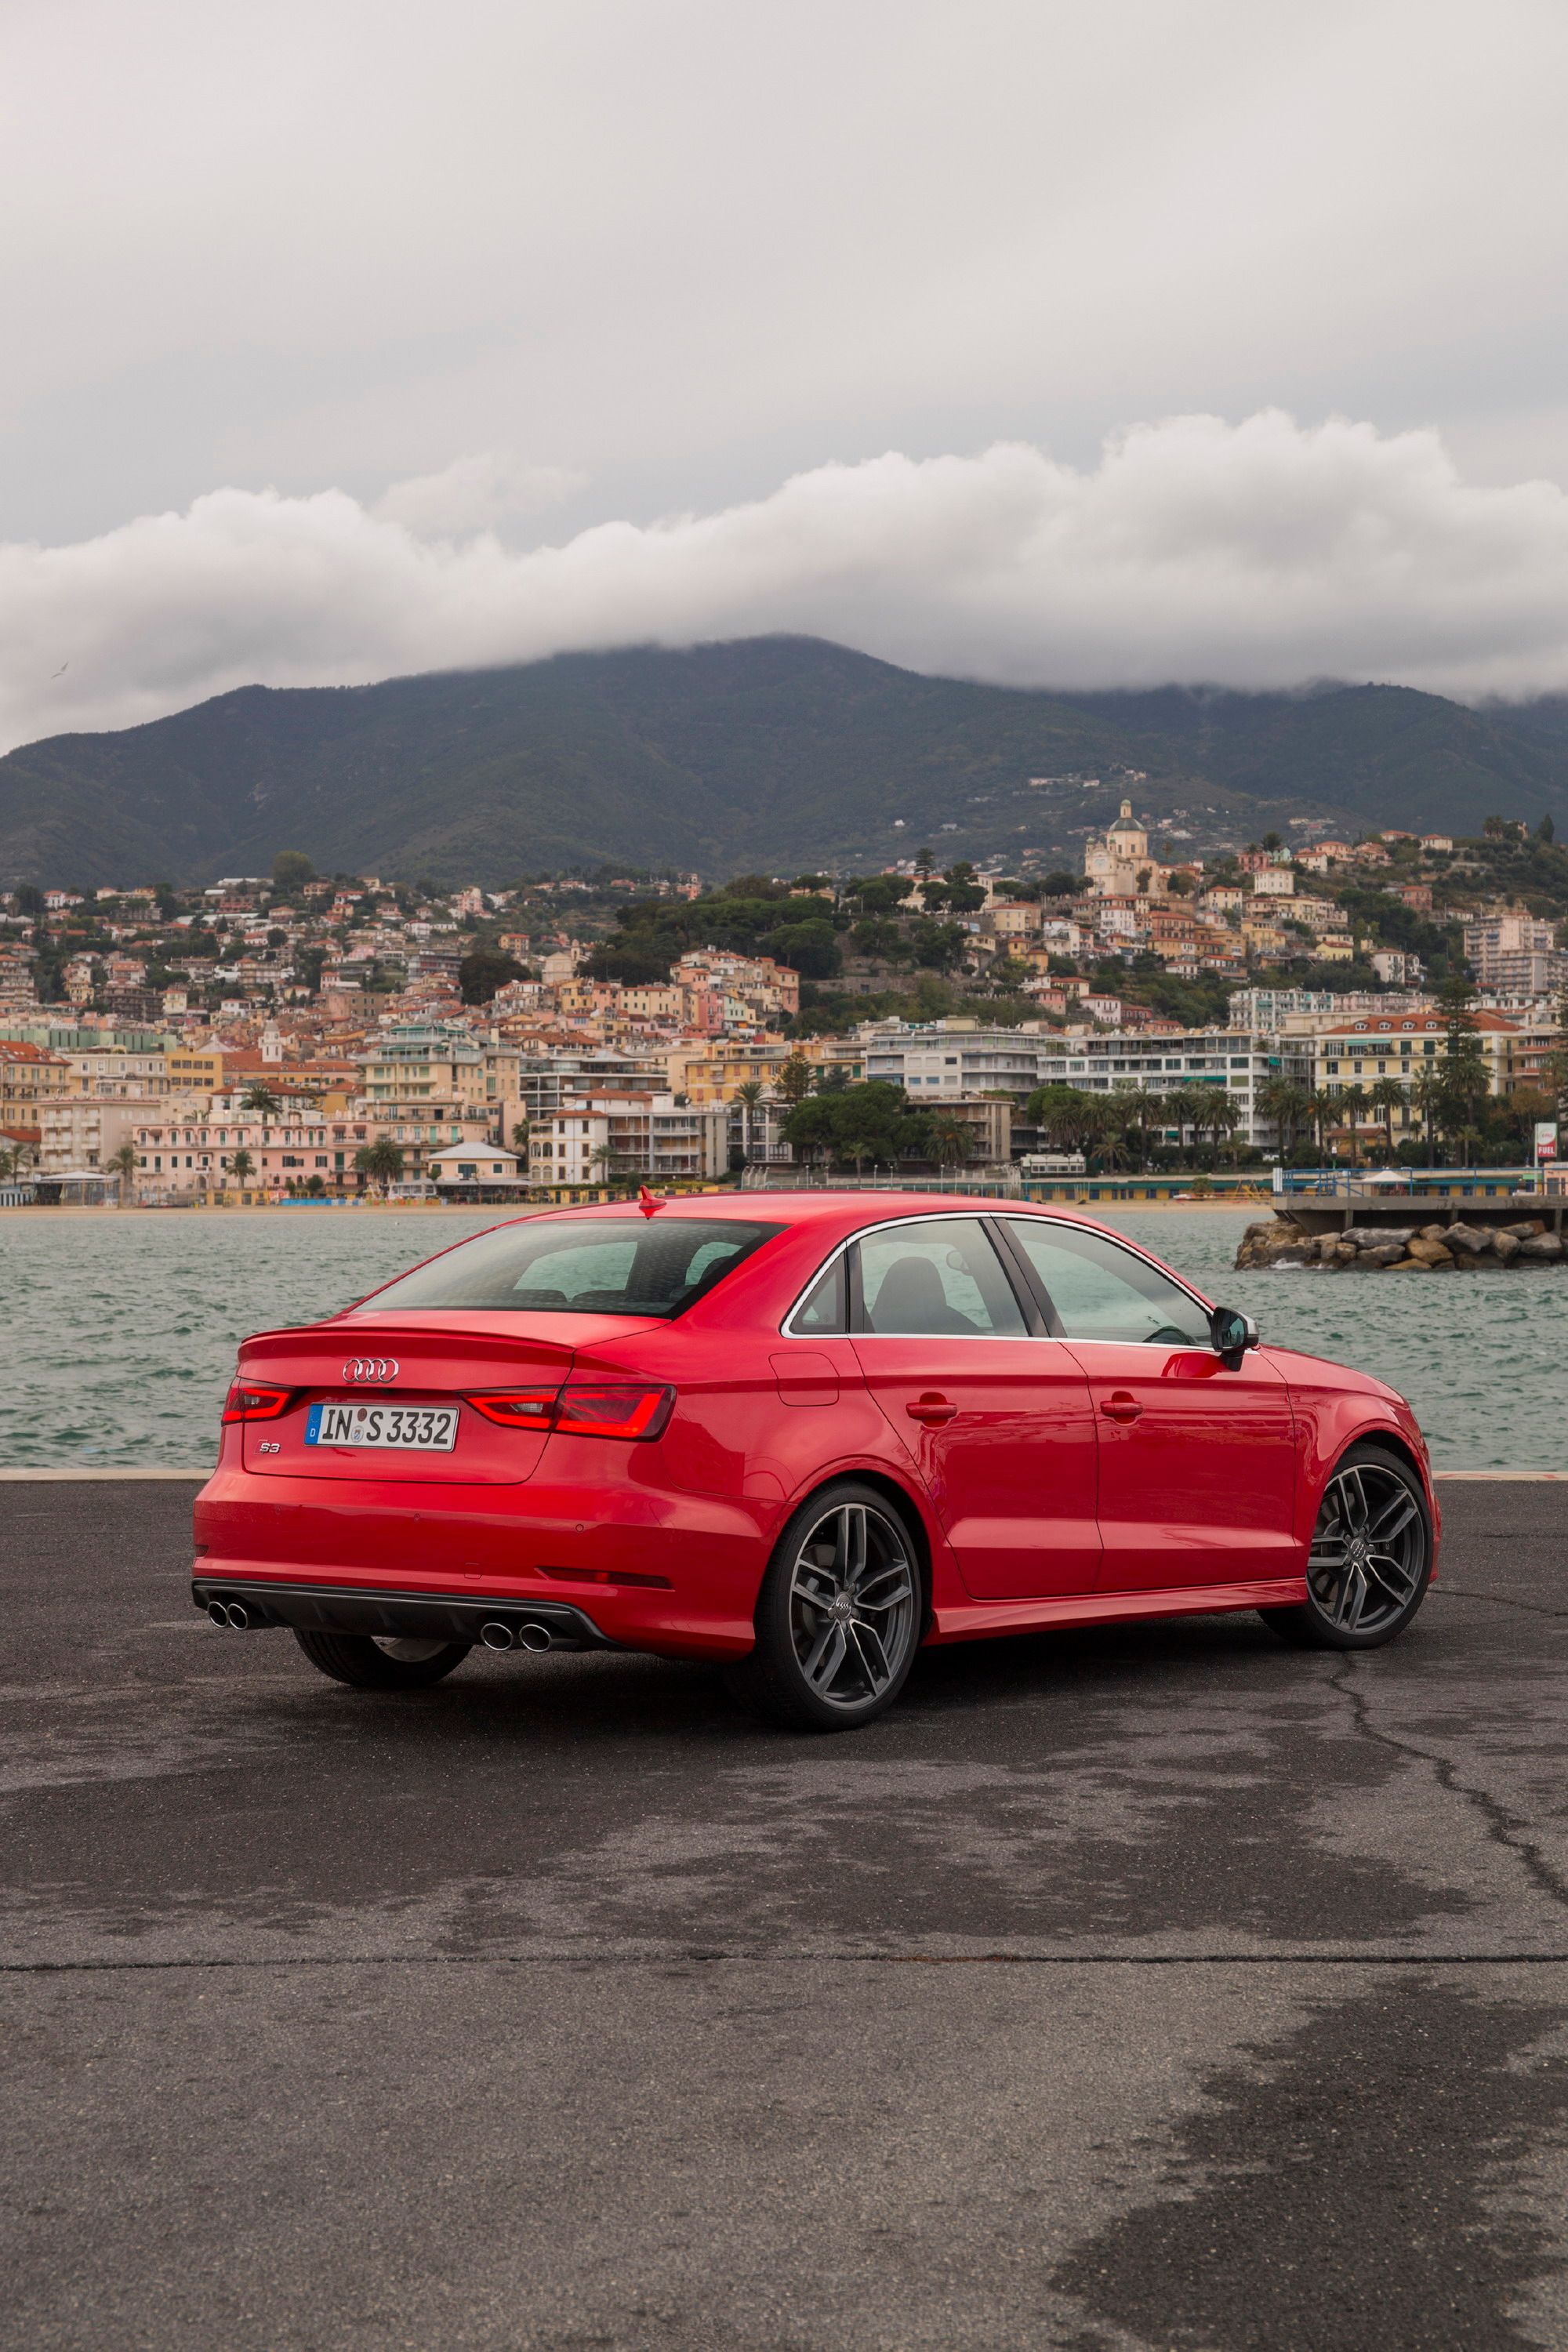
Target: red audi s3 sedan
799	1434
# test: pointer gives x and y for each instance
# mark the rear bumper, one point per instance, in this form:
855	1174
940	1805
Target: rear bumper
644	1568
359	1609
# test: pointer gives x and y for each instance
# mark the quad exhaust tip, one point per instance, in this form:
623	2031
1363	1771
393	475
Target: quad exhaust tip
497	1636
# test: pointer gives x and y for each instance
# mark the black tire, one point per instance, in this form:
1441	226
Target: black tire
841	1613
361	1660
1371	1559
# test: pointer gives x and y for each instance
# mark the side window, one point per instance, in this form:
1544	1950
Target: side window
824	1310
940	1276
1103	1292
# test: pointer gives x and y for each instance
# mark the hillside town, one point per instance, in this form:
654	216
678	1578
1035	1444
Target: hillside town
301	1037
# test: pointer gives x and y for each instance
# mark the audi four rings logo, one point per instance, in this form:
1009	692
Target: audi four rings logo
372	1368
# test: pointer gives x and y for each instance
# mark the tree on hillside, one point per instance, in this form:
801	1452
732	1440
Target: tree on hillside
484	970
291	869
632	962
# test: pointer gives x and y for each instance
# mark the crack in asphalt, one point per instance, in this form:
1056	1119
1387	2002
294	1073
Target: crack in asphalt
1501	1828
1501	1601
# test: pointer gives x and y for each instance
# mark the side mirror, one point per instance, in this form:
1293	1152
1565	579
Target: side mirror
1232	1333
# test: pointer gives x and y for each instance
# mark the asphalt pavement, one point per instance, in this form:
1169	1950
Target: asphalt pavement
1152	1986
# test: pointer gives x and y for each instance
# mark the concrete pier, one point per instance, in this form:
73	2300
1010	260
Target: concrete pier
1131	1988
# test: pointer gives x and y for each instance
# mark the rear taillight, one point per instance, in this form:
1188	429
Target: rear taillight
518	1408
625	1409
613	1409
249	1401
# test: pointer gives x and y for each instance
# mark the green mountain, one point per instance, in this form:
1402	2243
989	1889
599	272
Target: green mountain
773	752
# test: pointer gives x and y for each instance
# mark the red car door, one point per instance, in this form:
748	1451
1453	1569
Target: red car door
1197	1461
998	1419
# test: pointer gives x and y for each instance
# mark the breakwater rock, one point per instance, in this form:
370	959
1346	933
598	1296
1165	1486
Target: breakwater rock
1402	1249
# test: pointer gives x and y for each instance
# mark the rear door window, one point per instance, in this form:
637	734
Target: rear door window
940	1276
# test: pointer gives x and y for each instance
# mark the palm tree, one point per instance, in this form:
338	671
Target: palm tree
1426	1094
1388	1095
240	1167
1285	1104
260	1098
951	1141
1352	1104
381	1162
1222	1115
604	1156
748	1094
1323	1110
123	1164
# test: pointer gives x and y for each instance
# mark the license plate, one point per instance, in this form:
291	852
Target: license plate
406	1428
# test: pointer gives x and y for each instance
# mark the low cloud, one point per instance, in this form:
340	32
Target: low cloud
1258	554
477	493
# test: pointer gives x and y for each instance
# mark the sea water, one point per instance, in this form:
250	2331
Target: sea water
118	1331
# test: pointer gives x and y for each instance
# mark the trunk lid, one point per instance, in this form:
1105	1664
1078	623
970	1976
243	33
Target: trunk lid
387	1361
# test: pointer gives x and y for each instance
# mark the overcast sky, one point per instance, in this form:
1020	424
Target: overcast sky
1038	341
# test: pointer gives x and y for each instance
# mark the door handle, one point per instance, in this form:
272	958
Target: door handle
932	1409
1121	1405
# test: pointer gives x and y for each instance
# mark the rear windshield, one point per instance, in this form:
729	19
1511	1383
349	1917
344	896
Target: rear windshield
594	1266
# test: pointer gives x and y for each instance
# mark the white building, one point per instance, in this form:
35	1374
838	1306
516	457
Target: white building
486	1166
650	1136
939	1058
1515	954
1239	1060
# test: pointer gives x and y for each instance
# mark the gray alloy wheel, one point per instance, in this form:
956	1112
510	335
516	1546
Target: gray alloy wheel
1370	1560
840	1614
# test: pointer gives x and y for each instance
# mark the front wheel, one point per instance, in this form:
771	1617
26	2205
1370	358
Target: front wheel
839	1616
382	1660
1371	1558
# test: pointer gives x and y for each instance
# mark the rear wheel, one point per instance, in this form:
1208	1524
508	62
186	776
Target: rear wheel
1371	1559
382	1660
839	1616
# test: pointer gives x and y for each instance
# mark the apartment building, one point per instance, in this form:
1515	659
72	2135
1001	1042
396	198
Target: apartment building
931	1060
646	1135
1515	954
545	1081
1401	1045
81	1131
1239	1060
30	1076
